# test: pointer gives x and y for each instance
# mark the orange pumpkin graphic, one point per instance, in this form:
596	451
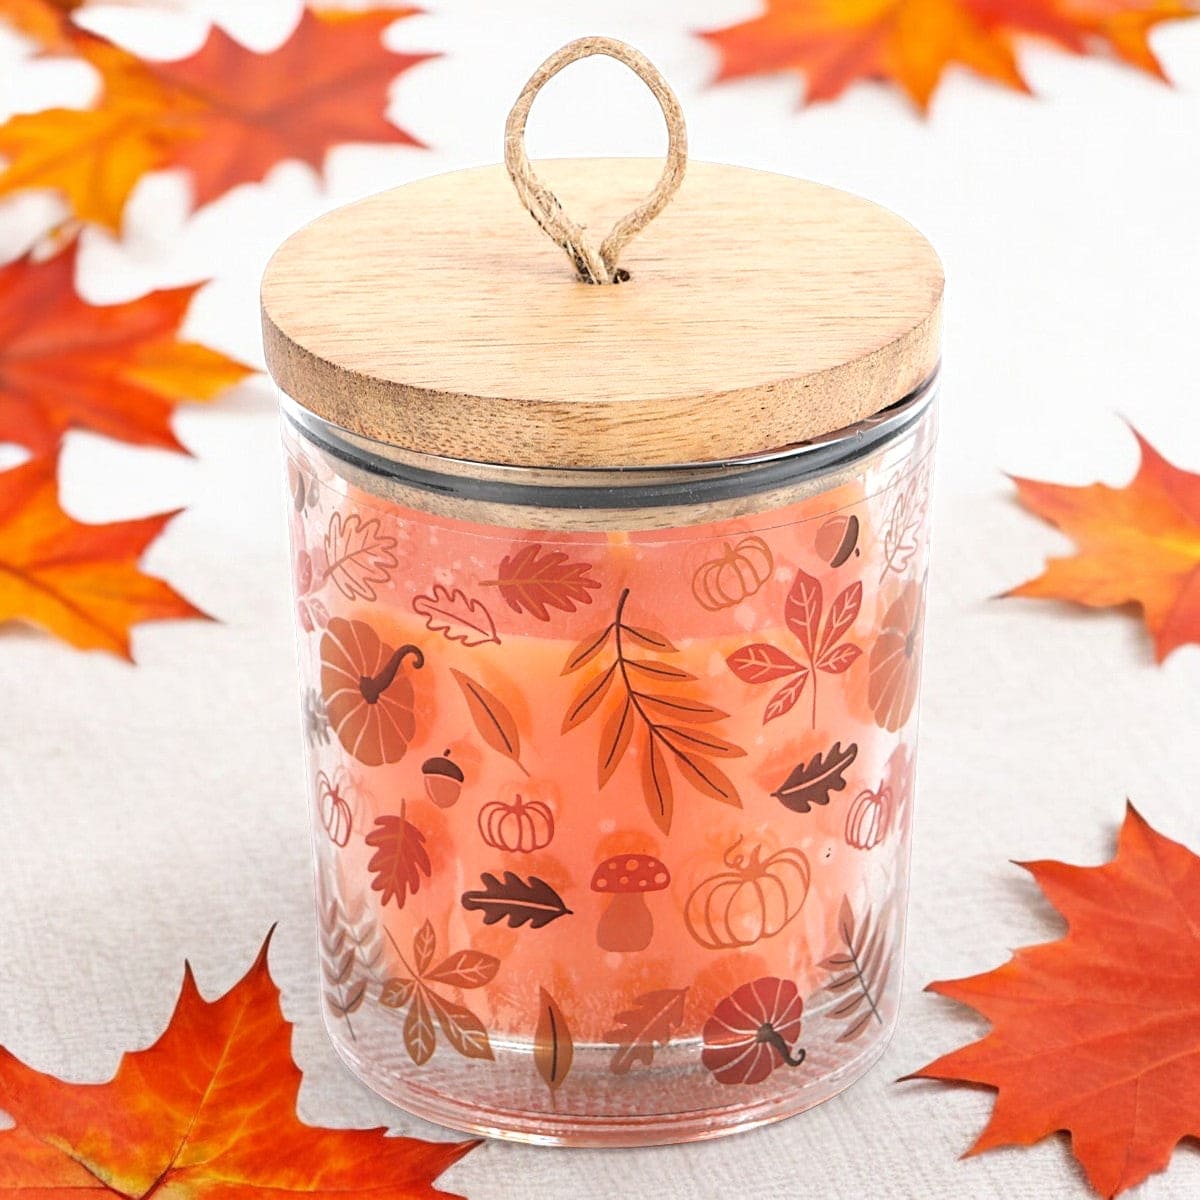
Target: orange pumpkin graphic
894	668
736	574
369	701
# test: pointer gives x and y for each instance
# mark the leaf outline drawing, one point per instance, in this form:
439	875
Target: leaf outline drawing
358	555
901	532
457	617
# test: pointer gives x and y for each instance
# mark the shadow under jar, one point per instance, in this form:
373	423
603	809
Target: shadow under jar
610	604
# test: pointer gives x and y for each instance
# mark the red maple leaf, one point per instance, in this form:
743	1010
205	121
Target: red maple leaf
115	369
227	114
208	1111
1097	1033
81	582
1138	544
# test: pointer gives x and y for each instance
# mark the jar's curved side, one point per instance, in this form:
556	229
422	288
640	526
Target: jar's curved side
587	801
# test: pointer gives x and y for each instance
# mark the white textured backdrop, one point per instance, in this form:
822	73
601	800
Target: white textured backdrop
155	813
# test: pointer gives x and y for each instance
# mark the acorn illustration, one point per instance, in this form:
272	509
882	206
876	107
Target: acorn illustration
443	780
837	539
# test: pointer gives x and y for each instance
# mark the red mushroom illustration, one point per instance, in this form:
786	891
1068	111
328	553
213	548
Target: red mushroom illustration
627	925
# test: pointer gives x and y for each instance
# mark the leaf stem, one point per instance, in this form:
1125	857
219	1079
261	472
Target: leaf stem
862	983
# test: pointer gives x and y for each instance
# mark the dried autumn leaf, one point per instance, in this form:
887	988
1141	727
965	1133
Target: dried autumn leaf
911	43
1097	1033
226	113
115	369
209	1109
47	22
1138	544
80	582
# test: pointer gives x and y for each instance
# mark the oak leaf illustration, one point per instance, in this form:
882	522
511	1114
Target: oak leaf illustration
645	1028
226	114
209	1109
400	861
456	616
519	902
1097	1033
1139	544
535	580
912	43
815	780
80	582
114	369
358	555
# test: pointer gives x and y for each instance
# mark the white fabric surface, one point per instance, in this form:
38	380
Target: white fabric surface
155	813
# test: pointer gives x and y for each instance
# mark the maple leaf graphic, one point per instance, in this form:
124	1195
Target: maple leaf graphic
208	1110
1097	1033
1138	544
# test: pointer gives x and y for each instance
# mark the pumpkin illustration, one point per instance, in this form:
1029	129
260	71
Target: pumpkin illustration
752	899
336	817
736	573
521	827
868	819
894	668
368	699
752	1030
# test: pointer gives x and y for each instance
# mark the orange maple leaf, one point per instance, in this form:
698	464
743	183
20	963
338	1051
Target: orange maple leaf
115	369
80	582
208	1111
226	114
45	21
1097	1033
1137	545
912	43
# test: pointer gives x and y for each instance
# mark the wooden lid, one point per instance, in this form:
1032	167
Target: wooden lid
760	311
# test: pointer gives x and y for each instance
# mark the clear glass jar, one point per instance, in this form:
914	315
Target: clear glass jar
611	774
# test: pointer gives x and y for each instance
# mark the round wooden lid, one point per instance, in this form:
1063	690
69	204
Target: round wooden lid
760	311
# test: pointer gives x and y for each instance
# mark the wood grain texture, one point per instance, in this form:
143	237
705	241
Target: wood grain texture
761	311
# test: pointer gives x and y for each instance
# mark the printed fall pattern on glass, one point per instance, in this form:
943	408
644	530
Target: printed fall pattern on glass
616	798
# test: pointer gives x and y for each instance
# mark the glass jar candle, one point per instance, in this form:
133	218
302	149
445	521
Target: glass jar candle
610	603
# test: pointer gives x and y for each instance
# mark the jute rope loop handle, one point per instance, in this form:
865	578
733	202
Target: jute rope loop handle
594	265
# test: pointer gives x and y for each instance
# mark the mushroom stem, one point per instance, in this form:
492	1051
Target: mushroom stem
626	924
373	686
772	1037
